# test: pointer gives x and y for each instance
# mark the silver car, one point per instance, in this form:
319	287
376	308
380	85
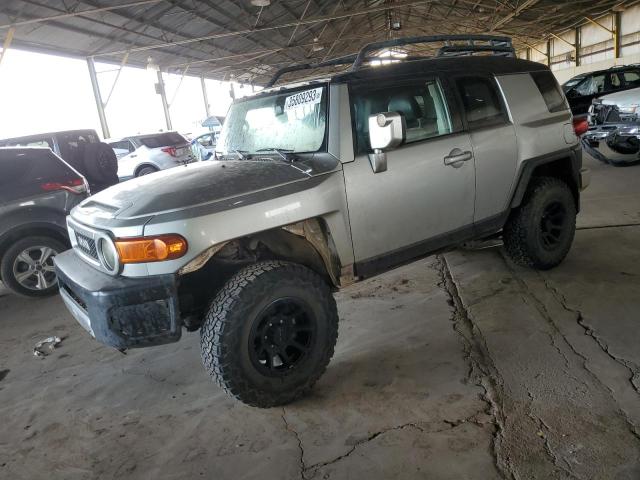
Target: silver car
320	184
144	154
614	128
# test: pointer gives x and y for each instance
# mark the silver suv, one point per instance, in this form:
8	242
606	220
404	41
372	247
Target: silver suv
320	184
144	154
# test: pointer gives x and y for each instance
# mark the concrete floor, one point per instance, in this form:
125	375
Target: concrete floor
458	366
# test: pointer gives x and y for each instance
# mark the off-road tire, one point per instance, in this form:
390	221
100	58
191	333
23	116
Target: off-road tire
522	232
146	170
225	333
6	266
100	164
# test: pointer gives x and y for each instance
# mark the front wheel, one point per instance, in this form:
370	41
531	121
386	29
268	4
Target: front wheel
27	266
540	232
269	333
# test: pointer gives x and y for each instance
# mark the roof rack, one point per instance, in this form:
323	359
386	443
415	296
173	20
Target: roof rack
349	59
498	45
489	43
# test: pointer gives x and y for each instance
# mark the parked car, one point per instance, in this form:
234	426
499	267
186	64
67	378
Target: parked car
144	154
320	184
37	191
582	89
614	128
82	149
204	146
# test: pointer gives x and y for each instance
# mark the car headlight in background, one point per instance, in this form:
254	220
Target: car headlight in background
628	108
151	249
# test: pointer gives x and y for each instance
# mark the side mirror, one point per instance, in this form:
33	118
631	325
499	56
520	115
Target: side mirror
386	131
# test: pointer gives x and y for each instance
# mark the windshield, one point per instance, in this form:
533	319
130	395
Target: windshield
293	121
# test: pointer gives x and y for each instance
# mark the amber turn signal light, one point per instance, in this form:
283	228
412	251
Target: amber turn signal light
151	249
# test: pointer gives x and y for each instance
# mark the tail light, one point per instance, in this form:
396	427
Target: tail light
76	185
170	150
580	126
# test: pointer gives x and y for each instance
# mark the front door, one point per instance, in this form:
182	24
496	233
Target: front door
426	195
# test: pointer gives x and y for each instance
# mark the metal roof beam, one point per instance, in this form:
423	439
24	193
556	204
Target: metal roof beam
83	13
309	21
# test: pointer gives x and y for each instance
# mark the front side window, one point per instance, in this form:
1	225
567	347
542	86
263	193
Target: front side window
591	86
292	121
423	107
481	102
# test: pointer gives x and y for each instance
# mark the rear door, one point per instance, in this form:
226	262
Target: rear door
127	157
493	141
422	198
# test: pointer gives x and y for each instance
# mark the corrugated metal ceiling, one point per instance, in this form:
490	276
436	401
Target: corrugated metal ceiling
222	39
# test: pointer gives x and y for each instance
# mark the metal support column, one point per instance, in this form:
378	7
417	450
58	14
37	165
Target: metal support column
163	95
617	34
98	98
549	53
205	97
578	40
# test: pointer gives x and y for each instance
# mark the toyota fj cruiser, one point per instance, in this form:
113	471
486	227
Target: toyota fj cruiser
319	184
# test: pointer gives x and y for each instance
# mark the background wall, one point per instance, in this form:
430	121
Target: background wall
595	45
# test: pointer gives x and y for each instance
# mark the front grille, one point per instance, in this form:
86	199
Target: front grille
86	245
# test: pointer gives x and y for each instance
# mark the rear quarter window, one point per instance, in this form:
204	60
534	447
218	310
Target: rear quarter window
481	102
550	91
162	140
32	166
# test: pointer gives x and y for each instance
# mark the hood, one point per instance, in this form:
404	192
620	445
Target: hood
190	185
626	97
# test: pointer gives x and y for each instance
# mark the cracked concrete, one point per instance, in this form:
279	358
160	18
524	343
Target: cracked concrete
460	366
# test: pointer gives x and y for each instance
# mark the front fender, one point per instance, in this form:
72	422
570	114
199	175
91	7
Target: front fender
322	196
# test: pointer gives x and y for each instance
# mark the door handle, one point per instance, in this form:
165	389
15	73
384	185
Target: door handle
456	157
133	156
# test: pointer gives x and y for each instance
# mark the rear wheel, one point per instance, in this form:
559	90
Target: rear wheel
540	232
270	333
27	266
146	171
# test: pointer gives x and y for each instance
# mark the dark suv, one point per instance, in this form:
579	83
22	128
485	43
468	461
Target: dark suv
37	191
582	89
82	149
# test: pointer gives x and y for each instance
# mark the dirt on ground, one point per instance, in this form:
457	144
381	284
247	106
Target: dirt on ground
459	366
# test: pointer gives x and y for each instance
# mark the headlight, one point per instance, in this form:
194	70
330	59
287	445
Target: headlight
108	254
628	108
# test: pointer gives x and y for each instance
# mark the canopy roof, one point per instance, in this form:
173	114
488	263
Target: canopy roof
235	39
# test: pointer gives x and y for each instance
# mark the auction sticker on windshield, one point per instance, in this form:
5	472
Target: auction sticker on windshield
300	99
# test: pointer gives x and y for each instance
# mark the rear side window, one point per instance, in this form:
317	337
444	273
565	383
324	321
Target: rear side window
632	79
163	140
31	142
481	102
550	91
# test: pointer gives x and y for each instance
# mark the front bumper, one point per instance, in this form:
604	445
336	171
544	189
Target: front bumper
120	312
618	144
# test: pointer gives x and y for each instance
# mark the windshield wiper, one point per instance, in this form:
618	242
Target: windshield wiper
242	154
280	151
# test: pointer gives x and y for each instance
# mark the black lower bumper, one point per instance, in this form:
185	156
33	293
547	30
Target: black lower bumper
120	312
